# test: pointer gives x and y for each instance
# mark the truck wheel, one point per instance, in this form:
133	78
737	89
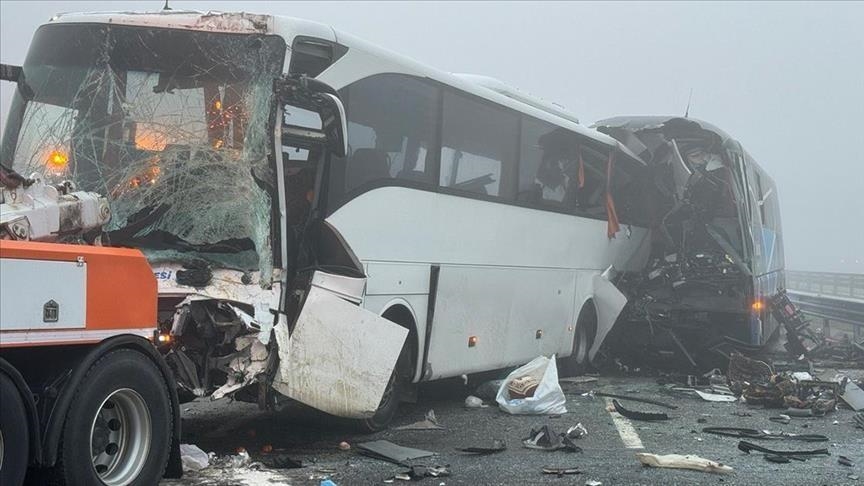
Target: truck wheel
14	436
118	429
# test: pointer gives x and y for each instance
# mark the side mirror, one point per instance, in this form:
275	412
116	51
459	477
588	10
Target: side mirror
306	96
10	73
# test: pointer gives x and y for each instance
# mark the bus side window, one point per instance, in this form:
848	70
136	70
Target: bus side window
392	123
478	147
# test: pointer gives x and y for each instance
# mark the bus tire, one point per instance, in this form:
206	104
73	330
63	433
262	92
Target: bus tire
583	338
14	435
118	429
399	380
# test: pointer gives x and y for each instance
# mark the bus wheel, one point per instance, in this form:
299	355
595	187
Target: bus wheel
14	438
118	429
399	380
583	337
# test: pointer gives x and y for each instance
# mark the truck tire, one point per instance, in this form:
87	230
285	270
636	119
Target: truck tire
118	429
14	436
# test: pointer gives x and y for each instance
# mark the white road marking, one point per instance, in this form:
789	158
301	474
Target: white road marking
628	434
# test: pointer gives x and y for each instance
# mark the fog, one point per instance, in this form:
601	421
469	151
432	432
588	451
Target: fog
785	79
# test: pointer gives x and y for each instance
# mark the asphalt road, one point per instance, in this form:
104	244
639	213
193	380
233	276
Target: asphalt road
221	427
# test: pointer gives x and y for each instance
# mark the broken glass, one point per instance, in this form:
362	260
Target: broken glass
170	125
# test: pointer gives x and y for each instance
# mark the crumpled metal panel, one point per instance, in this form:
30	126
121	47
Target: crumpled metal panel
339	357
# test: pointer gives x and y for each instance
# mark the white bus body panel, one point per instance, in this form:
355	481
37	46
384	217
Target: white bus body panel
501	270
26	286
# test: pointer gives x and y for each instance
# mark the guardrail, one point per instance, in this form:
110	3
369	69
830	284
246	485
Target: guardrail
825	283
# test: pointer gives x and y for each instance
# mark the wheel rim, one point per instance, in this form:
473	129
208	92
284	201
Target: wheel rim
2	449
120	437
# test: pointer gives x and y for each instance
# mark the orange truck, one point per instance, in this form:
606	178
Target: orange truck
87	398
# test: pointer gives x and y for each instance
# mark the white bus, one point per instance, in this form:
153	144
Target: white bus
479	216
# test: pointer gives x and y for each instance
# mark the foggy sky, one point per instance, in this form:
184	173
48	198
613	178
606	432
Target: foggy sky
785	79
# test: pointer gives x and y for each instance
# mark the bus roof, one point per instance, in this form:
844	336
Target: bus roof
289	27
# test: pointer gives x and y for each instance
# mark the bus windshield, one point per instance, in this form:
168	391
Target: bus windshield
170	125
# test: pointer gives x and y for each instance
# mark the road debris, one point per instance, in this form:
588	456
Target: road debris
781	419
853	395
497	446
591	482
636	399
388	451
473	402
418	472
344	446
678	461
193	458
715	397
749	447
845	461
429	423
743	433
546	398
545	438
636	415
561	471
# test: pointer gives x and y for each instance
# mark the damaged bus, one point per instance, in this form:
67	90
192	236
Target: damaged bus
716	260
358	225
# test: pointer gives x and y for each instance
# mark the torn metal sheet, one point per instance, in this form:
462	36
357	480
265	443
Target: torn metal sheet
853	395
388	451
339	357
609	302
715	397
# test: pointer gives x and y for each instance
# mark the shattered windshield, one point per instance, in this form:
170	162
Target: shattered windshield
170	125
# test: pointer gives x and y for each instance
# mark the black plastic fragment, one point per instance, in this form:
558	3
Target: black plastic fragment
637	415
749	446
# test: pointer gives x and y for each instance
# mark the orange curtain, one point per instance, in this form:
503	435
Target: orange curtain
612	225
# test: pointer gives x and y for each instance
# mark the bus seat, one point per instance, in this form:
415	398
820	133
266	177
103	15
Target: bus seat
367	164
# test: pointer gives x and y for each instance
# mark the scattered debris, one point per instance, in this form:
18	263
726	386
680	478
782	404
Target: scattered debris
592	482
561	471
853	395
193	458
859	420
637	399
545	438
489	389
429	423
845	461
327	482
637	415
418	472
279	461
497	446
781	419
388	451
749	447
473	402
578	380
678	461
715	397
743	433
577	431
344	446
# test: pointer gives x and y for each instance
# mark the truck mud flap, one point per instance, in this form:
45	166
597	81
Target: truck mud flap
609	302
339	357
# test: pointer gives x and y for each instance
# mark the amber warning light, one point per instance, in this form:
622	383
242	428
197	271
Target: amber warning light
757	306
57	160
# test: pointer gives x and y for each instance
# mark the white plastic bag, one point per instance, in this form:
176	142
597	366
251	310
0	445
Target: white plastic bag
193	458
548	399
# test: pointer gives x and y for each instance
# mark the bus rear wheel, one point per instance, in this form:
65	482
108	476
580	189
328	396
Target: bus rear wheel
118	429
14	436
